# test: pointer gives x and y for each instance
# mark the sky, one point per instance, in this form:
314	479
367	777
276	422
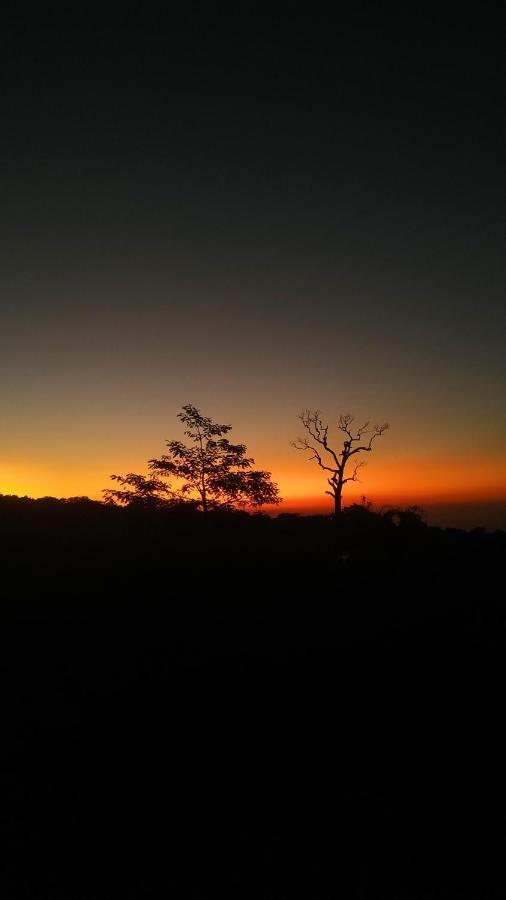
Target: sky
254	213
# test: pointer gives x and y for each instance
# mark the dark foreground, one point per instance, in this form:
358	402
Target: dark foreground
250	708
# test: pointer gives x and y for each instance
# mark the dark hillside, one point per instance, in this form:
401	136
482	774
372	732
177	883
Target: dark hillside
250	707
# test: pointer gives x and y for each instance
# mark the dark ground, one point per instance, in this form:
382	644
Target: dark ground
247	707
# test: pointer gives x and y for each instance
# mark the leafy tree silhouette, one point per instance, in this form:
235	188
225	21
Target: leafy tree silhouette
335	462
213	470
139	490
216	474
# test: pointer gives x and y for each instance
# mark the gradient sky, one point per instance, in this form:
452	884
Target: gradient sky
254	215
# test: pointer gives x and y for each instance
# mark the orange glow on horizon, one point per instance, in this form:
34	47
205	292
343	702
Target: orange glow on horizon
302	485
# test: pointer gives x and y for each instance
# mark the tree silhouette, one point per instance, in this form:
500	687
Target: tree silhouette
335	462
215	472
139	490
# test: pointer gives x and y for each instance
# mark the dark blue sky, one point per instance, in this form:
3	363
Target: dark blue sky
227	209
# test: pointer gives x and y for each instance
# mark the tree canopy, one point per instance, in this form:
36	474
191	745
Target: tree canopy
210	472
139	490
212	469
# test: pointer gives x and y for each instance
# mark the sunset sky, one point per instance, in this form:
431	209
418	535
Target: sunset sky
254	216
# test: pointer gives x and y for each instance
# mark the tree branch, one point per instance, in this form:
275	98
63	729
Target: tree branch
303	444
354	476
313	423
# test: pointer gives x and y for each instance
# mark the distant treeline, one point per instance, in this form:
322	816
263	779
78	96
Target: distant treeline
67	542
381	564
356	515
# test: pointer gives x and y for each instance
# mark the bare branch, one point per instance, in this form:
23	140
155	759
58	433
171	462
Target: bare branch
344	422
303	444
355	477
364	429
318	432
314	424
377	432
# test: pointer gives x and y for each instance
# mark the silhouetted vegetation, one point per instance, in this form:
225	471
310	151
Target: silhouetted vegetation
335	462
215	473
271	705
140	490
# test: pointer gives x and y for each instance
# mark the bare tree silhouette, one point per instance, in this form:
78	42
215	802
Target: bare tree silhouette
335	462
